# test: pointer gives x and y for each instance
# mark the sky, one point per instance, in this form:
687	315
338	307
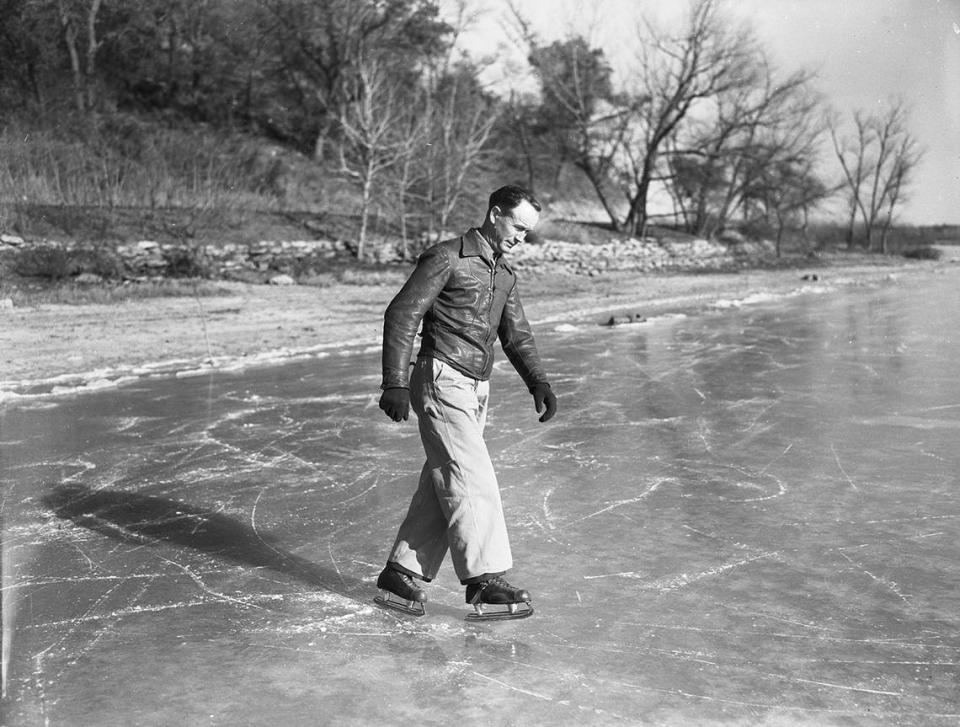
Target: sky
866	54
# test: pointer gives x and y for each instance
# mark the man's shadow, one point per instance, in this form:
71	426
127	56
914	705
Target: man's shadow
129	517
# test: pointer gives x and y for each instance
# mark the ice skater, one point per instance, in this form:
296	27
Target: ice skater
465	294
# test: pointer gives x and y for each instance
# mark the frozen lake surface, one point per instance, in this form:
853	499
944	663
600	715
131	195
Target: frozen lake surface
750	516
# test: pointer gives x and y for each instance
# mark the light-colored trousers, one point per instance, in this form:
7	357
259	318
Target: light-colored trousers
457	503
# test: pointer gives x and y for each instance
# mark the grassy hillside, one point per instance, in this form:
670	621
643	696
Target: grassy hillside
128	179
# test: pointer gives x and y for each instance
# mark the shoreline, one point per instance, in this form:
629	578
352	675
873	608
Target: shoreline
56	350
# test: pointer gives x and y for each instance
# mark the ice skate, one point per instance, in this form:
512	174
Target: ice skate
400	593
497	592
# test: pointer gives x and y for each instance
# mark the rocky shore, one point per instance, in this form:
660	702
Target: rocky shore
286	262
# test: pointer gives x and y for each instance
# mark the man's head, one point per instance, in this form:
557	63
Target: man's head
511	213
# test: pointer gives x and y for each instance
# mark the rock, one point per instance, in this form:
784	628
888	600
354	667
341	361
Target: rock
282	280
6	303
12	240
88	279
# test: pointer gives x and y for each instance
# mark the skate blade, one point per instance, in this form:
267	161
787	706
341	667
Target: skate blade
406	607
520	610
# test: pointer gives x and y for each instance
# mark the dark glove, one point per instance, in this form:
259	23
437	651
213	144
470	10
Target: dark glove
396	403
544	398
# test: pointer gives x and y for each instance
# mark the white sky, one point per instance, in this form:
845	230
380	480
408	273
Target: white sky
865	53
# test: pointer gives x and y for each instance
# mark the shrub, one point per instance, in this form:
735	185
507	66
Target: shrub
298	267
58	262
187	262
51	262
907	238
922	253
99	260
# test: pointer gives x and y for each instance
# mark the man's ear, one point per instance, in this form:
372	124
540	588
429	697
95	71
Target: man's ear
494	212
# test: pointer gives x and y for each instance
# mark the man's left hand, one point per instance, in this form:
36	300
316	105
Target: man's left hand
545	401
395	402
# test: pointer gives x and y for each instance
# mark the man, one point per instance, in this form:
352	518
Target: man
465	294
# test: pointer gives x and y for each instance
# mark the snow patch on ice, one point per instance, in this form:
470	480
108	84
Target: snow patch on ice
769	297
50	389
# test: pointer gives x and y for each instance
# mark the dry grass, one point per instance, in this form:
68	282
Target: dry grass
35	293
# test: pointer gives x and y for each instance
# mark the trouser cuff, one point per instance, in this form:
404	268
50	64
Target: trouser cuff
406	571
480	579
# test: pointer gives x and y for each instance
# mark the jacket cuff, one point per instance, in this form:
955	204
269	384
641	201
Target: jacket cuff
534	385
394	380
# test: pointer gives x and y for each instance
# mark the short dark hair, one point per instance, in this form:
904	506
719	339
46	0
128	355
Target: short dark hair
510	196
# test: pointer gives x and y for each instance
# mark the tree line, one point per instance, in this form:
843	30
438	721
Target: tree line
702	131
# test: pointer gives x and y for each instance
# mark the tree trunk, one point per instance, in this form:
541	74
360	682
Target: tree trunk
781	224
70	39
37	90
852	226
364	212
637	217
596	183
92	47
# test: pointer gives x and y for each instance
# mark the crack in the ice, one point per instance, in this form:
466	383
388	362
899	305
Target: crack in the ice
514	688
681	581
890	585
842	470
205	588
620	503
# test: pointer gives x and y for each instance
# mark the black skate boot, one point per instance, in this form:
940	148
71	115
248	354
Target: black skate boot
396	585
497	591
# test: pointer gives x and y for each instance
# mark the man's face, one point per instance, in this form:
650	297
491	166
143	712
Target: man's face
510	227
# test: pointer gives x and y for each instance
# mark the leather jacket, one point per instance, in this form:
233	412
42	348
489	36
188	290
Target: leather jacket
466	300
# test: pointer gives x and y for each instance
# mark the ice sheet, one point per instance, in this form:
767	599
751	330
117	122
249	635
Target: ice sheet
744	516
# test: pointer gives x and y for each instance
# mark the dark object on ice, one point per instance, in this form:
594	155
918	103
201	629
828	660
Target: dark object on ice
395	584
810	276
628	318
497	591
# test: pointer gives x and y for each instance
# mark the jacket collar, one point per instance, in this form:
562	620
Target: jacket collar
473	244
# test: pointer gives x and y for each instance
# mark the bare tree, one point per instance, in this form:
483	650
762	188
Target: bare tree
677	72
877	163
907	158
852	155
520	120
78	23
320	43
764	131
460	118
407	177
370	124
787	190
580	113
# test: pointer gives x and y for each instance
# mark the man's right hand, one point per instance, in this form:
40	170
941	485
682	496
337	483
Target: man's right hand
396	403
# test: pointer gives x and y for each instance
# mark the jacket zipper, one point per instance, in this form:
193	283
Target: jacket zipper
491	335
